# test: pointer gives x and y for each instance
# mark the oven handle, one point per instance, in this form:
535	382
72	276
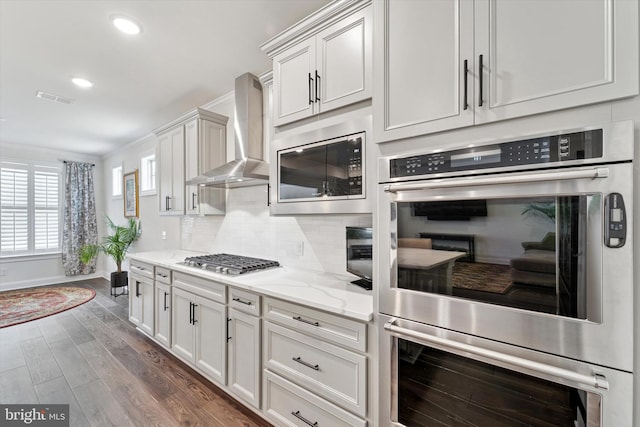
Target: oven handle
502	179
597	381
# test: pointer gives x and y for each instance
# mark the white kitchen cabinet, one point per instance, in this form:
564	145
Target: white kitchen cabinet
189	146
171	180
446	64
141	302
244	356
163	314
327	64
205	149
319	353
199	327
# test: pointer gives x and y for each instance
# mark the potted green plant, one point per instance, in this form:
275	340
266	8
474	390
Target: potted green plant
116	246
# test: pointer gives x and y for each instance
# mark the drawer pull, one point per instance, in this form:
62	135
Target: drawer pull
163	275
303	419
307	364
309	322
242	301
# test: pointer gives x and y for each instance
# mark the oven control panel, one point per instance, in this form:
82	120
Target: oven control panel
543	150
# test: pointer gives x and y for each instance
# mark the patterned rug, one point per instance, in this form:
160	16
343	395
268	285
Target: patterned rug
24	305
495	278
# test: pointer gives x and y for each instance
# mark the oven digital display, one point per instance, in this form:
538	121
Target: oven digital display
484	157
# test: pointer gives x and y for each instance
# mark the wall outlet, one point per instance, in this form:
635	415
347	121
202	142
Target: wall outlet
300	249
164	235
3	272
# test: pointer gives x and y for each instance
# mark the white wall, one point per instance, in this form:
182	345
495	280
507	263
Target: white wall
26	271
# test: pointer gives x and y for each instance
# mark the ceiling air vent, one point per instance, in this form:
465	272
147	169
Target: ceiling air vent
54	98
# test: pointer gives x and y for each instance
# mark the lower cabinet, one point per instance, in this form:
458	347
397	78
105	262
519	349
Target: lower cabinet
163	314
141	302
287	404
244	356
199	333
293	364
315	367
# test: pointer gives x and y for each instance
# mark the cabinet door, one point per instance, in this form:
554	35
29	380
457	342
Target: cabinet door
420	75
135	300
182	329
244	356
148	304
191	169
171	191
211	339
294	83
543	56
163	314
212	152
343	61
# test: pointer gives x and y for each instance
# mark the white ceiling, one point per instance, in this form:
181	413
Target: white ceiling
188	54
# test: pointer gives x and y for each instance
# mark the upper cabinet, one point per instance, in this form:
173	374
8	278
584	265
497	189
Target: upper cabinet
188	147
205	149
322	63
444	64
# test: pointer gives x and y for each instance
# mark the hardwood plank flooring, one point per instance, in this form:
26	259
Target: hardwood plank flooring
92	358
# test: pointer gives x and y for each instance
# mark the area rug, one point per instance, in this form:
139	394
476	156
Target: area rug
495	278
24	305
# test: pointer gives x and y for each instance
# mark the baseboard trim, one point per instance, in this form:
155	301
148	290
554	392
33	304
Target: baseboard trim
51	281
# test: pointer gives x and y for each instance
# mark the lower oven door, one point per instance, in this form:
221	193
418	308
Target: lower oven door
431	376
531	252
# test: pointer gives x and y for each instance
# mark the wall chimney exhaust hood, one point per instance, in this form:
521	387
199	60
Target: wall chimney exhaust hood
248	168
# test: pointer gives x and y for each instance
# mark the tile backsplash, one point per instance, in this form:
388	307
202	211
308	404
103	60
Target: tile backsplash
315	242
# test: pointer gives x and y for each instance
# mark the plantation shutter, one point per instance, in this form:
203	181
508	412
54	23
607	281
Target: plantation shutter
14	207
29	209
46	208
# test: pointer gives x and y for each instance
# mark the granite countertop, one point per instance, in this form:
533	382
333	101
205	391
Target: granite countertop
329	292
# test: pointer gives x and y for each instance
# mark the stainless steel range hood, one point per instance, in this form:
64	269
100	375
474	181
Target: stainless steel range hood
248	168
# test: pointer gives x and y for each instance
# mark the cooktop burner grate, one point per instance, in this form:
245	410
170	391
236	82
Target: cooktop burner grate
230	264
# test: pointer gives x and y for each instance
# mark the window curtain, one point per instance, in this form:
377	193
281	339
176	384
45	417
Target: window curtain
79	226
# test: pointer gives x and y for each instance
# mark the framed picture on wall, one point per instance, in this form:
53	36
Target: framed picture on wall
130	191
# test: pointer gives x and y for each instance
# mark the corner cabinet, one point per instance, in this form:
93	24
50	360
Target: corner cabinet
188	147
322	63
447	64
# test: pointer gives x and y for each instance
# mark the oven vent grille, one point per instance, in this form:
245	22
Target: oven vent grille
54	98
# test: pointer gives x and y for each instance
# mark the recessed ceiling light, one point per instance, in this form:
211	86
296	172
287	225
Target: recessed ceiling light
126	24
79	81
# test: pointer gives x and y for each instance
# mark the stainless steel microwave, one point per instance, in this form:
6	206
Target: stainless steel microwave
323	171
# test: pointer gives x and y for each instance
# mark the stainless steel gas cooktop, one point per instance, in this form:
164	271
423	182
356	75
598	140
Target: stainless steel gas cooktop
229	264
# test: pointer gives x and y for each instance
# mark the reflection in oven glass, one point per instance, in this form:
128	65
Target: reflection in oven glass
526	253
436	388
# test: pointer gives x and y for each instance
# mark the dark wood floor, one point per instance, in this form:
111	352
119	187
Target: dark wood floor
92	358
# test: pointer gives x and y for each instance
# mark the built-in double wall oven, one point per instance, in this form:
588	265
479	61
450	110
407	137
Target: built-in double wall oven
506	281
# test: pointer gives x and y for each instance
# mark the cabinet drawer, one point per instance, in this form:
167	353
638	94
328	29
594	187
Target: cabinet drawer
332	372
206	288
347	332
142	269
287	404
244	301
163	275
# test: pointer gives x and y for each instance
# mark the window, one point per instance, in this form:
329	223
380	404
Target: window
148	175
29	209
116	182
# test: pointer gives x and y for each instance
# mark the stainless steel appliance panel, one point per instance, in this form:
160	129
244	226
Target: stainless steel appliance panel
411	354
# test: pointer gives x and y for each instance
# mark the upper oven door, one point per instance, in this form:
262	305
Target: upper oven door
537	259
